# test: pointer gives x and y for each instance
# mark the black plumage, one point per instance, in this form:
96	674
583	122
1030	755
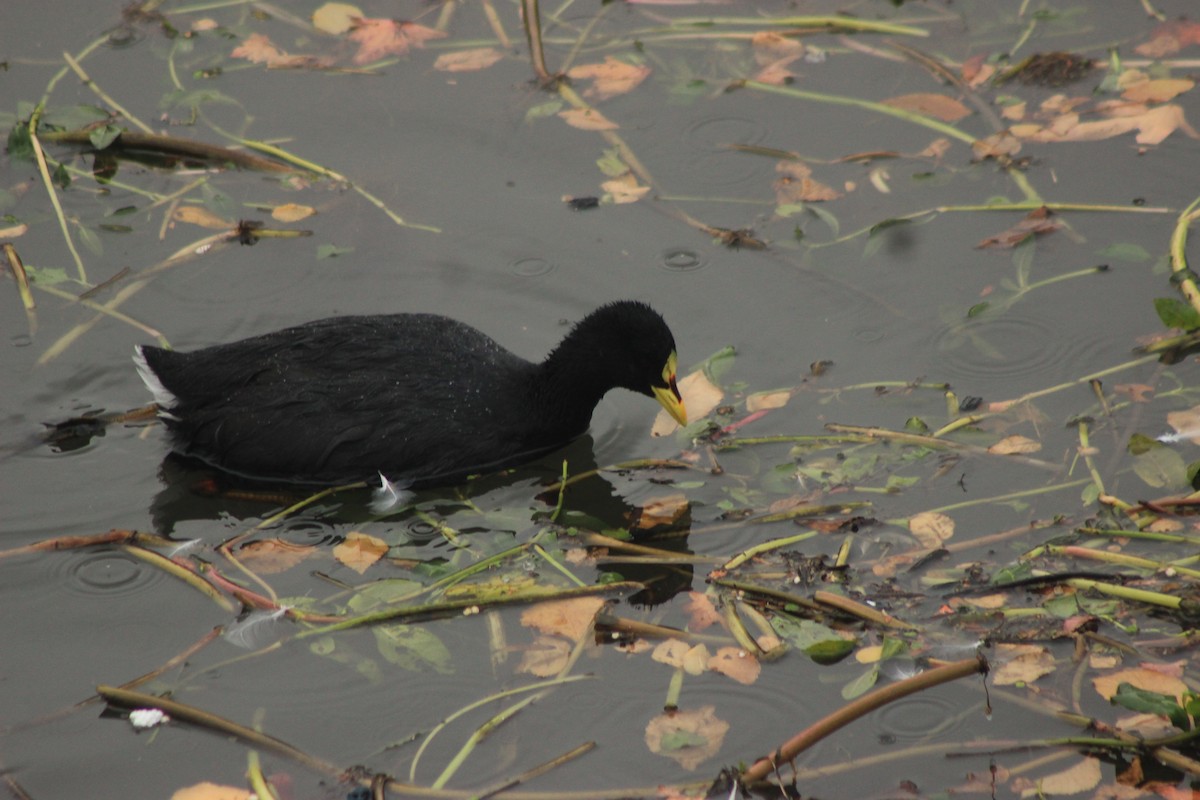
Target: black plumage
419	398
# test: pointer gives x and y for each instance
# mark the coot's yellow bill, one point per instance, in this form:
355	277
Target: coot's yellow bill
669	395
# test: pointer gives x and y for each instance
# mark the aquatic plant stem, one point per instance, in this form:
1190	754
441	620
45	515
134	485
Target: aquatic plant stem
531	16
103	95
859	708
47	181
1184	277
125	698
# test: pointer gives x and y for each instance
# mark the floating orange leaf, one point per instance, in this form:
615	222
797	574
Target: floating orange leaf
292	212
625	189
611	78
568	618
1157	91
701	612
198	215
1021	663
733	662
1153	126
931	528
377	38
1036	222
1085	775
664	510
770	47
938	106
1011	445
763	401
258	49
468	60
795	185
359	551
269	556
670	652
688	737
999	145
1169	38
587	119
545	657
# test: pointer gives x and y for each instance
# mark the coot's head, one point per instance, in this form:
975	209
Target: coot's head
628	344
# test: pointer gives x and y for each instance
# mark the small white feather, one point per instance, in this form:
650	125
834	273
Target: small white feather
162	395
390	496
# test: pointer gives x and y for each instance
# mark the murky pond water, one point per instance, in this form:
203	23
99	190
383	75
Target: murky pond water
449	198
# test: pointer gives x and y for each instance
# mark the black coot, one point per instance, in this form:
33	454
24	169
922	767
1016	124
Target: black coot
419	399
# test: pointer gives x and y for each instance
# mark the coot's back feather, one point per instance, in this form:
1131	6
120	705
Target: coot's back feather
418	397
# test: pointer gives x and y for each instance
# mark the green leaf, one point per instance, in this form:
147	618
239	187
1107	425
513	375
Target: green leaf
1132	253
74	117
719	363
60	177
542	110
383	592
611	164
821	644
413	648
1175	313
1135	699
1141	443
103	137
1161	468
861	685
827	217
46	276
332	251
19	144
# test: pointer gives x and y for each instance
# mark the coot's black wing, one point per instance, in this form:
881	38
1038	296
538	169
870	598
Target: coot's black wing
415	396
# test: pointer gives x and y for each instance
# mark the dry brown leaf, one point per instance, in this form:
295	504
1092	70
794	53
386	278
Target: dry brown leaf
570	618
1186	421
938	106
359	551
931	528
976	71
700	397
1169	38
292	212
199	215
770	47
1011	445
777	73
988	601
1021	663
377	38
1143	678
14	231
795	185
1035	223
1004	144
336	18
211	791
762	401
1153	126
468	60
1138	393
204	24
271	556
733	662
625	189
702	614
258	49
936	149
1157	91
664	510
688	737
1077	779
1015	112
545	657
1161	525
587	119
670	652
609	79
